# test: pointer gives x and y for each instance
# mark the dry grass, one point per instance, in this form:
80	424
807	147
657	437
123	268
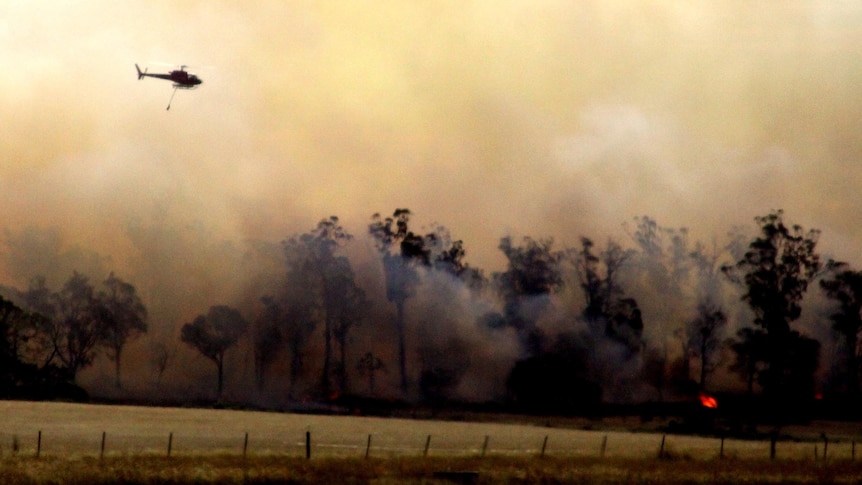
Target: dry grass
207	448
231	469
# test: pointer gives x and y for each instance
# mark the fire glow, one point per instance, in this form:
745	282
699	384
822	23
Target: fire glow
708	401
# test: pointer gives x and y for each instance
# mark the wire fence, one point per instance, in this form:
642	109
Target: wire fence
329	443
69	430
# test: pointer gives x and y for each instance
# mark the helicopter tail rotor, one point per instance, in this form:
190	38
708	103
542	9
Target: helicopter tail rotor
141	74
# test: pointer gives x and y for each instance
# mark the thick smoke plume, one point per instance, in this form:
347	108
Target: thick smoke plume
541	119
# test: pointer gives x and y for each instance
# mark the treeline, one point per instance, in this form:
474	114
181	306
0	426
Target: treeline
51	335
558	330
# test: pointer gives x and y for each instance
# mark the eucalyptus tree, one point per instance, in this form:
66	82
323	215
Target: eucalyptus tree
533	272
402	251
775	273
329	295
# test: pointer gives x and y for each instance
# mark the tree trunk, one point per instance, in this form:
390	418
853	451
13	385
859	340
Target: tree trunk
118	352
220	365
295	367
402	351
342	377
325	387
853	366
704	359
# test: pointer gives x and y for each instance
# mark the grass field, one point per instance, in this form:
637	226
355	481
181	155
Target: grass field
207	447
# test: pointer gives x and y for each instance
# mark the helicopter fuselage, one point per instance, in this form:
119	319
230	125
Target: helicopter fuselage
180	77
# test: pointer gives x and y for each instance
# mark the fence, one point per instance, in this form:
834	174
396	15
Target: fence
580	443
68	429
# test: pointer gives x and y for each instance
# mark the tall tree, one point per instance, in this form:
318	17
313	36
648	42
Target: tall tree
338	301
845	287
533	273
403	253
267	338
704	338
775	271
402	250
663	266
348	308
607	310
213	334
125	318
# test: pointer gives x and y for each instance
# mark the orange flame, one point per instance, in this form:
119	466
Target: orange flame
708	401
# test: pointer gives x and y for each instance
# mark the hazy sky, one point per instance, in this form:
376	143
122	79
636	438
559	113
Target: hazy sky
541	118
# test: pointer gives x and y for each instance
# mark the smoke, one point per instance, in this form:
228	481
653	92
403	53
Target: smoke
544	119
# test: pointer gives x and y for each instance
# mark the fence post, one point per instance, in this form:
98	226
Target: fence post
544	446
308	445
661	447
721	450
368	447
485	446
102	449
772	440
245	445
39	444
170	442
427	445
825	445
604	446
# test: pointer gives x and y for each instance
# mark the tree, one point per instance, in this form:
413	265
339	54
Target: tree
663	265
557	381
333	297
607	310
776	271
403	253
749	348
845	287
533	273
400	270
78	324
291	319
401	277
368	366
125	318
704	336
349	307
267	339
213	334
9	361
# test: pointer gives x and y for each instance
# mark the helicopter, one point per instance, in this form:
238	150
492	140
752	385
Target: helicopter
181	79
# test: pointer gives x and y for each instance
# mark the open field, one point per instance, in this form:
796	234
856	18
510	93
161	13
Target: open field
220	469
207	446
